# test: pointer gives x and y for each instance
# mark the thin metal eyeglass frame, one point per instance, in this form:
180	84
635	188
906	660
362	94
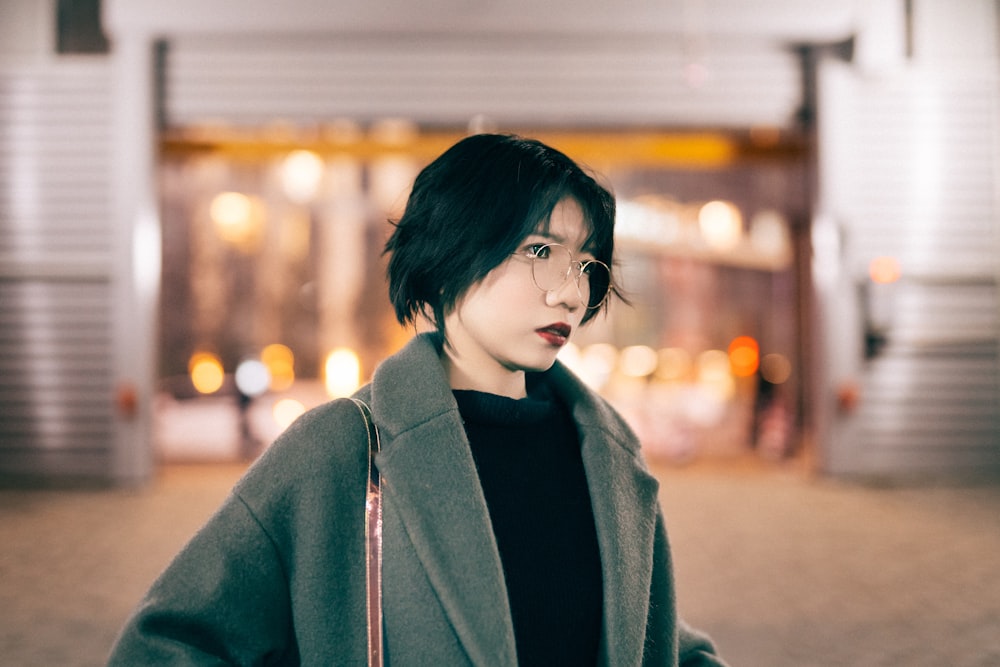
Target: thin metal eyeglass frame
573	263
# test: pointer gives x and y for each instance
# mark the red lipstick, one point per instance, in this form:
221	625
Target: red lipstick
556	334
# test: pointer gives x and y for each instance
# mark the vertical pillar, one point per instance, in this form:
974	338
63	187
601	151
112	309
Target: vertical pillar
136	275
342	258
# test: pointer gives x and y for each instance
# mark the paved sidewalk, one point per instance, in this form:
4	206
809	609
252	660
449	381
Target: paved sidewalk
779	568
783	570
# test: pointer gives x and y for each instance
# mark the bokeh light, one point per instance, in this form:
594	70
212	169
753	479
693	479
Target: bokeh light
280	362
775	368
884	270
744	356
638	361
342	372
252	377
301	175
721	224
714	373
286	411
674	364
207	374
238	218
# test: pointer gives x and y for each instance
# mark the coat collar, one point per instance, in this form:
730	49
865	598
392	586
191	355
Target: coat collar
429	474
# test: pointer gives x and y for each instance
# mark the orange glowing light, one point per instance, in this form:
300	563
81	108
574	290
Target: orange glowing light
207	374
884	270
744	356
280	362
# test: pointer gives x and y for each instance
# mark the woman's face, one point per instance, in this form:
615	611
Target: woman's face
504	325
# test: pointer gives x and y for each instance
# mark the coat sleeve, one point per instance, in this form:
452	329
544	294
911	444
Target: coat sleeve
695	649
687	646
254	585
222	601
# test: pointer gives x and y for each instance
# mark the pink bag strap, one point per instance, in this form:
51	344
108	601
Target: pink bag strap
373	540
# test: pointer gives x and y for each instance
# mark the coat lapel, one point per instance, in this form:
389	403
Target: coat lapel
430	478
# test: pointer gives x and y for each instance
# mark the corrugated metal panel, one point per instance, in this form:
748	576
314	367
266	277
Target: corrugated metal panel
916	180
923	170
55	270
447	79
55	170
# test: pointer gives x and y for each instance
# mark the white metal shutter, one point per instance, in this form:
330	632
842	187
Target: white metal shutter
912	173
445	79
56	415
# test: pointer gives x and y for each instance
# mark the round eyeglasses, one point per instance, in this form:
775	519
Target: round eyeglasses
552	265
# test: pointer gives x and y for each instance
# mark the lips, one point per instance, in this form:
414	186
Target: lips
556	334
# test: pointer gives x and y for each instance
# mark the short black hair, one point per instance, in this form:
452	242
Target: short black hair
471	207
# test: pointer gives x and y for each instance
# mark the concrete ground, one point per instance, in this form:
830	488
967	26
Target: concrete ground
782	569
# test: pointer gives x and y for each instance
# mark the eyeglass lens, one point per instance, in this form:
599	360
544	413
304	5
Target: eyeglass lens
552	265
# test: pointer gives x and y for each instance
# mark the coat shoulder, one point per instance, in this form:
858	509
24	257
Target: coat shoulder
322	452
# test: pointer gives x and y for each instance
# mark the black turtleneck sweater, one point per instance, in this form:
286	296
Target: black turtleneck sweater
528	456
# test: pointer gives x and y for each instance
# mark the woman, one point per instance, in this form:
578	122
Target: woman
520	525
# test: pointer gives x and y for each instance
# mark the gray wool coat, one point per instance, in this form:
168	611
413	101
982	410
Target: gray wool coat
277	575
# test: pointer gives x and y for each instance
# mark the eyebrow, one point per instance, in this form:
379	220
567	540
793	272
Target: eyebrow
549	236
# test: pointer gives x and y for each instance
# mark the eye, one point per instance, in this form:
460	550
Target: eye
539	250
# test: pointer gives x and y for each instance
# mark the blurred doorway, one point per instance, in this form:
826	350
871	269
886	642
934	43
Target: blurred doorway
273	296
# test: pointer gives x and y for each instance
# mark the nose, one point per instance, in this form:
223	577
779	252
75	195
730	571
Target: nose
566	295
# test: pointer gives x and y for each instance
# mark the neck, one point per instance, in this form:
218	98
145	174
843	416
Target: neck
462	375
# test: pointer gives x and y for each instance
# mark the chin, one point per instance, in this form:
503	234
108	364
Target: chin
540	366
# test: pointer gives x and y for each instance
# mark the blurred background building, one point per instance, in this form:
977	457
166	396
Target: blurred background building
194	195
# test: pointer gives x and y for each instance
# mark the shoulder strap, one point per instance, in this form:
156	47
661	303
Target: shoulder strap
373	540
